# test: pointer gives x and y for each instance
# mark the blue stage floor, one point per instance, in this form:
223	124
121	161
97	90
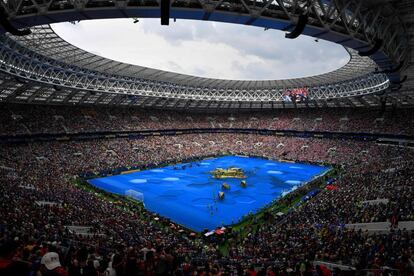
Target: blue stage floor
186	193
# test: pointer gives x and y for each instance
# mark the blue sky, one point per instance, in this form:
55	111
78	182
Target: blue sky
207	49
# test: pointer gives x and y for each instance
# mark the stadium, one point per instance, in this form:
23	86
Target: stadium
109	167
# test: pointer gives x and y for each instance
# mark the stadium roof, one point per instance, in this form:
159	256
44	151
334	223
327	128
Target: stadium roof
58	72
45	41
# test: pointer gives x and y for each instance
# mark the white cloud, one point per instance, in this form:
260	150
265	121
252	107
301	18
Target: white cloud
208	49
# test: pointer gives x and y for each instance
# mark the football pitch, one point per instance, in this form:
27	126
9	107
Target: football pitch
187	193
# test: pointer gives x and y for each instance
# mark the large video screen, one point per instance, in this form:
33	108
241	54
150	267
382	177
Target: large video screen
296	95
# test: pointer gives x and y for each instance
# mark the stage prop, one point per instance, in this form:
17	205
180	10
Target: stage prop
232	172
225	186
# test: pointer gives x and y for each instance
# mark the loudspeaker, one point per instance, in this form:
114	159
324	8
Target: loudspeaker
303	20
165	12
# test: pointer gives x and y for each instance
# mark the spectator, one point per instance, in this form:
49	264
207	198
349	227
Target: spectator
51	265
10	264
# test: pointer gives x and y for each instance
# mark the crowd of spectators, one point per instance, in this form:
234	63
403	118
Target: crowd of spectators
35	119
39	201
